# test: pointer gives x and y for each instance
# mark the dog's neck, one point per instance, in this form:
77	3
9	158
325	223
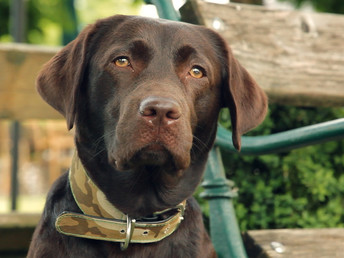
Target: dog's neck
90	199
138	192
102	221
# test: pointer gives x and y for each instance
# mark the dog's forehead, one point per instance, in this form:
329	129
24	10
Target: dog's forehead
163	29
160	32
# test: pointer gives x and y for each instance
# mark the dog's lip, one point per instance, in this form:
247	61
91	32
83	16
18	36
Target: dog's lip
156	146
150	154
155	149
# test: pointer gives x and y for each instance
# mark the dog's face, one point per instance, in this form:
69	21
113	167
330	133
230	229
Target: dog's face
147	93
159	83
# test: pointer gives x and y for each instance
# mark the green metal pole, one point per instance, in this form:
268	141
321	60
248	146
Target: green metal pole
284	141
224	229
69	22
165	9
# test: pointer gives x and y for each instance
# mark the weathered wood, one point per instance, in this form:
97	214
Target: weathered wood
16	230
19	66
296	57
305	243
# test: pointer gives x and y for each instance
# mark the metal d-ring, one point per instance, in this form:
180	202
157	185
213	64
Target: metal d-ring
129	232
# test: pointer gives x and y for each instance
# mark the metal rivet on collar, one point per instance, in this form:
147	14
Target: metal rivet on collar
166	230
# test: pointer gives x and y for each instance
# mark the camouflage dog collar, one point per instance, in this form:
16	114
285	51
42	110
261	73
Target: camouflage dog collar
103	221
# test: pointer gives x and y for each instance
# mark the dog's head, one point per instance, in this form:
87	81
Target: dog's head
148	92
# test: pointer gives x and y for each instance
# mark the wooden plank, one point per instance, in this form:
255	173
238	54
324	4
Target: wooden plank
16	230
19	66
296	57
305	243
19	220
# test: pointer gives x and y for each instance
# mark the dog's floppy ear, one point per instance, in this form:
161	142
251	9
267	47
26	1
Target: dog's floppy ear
59	81
246	101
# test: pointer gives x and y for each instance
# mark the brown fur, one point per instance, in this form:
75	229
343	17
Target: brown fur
143	132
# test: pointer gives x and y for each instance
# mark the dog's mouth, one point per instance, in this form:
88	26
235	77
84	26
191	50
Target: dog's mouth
154	154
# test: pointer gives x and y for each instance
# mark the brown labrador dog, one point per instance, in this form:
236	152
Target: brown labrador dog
144	97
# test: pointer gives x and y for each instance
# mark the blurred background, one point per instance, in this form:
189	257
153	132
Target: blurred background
300	188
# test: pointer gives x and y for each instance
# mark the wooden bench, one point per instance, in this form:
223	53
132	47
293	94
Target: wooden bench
303	243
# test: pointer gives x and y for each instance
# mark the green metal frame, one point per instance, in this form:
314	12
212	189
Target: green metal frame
224	229
165	9
284	141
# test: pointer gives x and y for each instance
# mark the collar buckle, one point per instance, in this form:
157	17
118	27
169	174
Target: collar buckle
129	233
181	208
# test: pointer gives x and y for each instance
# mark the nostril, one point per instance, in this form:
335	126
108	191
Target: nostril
148	111
163	110
173	114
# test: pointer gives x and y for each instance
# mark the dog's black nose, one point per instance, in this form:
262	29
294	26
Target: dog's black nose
160	110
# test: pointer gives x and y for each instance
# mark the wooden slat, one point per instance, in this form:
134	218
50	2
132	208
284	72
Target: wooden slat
19	66
296	57
16	231
305	243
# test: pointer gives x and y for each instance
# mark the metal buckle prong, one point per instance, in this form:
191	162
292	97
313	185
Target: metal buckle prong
129	233
181	208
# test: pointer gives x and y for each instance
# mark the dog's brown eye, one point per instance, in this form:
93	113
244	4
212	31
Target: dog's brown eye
122	62
196	72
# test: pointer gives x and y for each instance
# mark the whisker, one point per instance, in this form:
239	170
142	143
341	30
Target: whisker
199	144
97	153
99	140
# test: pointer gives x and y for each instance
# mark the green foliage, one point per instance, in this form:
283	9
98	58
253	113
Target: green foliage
46	21
4	14
301	188
56	22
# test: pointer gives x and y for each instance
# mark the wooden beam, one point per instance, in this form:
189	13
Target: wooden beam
296	57
19	66
16	231
306	243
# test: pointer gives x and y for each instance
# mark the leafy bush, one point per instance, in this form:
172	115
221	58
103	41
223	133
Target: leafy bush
301	188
